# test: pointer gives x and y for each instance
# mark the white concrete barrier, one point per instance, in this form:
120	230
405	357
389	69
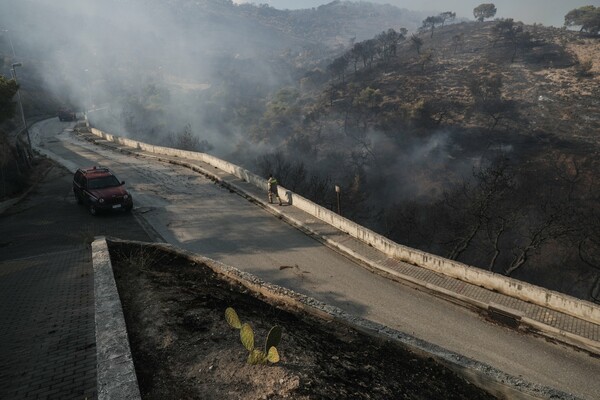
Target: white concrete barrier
534	294
115	376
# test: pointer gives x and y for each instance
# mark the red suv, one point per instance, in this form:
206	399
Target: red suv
100	190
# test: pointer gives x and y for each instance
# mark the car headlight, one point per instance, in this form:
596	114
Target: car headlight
101	200
126	196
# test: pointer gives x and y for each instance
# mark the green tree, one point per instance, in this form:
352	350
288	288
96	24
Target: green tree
339	66
281	115
512	33
356	54
587	17
387	43
483	11
368	98
8	89
447	16
369	50
187	140
429	23
488	99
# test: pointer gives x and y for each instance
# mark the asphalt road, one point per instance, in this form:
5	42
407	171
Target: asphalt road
191	212
47	335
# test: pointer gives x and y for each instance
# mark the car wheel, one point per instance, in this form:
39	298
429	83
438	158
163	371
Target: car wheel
128	209
93	210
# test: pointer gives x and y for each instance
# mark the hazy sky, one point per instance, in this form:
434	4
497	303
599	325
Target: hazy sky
548	12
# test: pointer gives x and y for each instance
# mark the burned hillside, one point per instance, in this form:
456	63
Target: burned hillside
477	141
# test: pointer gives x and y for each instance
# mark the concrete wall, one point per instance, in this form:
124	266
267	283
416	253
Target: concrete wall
116	378
511	287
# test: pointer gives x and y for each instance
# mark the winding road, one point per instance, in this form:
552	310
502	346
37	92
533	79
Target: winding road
190	211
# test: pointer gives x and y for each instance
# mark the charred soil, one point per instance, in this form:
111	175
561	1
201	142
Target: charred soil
183	348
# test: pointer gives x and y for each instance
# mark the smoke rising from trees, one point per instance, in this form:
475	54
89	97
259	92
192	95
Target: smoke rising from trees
414	127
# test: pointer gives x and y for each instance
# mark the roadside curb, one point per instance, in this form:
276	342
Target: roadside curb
116	378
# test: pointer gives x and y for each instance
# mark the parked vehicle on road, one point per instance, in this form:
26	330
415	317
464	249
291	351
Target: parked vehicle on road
100	190
66	114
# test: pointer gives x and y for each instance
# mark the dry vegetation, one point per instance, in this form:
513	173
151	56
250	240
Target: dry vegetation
415	133
183	348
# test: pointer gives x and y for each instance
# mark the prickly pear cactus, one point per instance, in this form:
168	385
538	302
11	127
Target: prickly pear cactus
257	357
273	355
273	338
232	318
247	337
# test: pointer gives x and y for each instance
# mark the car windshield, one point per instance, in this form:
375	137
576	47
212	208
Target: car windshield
104	182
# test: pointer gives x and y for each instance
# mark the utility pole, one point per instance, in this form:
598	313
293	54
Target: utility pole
337	192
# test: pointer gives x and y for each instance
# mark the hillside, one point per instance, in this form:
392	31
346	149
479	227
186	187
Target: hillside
479	144
543	91
477	141
83	54
466	80
338	22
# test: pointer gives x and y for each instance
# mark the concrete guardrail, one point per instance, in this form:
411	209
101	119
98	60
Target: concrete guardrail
534	294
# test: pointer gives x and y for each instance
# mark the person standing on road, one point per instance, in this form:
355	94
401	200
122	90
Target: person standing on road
272	189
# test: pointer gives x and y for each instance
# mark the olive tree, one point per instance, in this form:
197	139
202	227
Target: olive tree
513	34
338	67
484	11
429	23
447	16
587	17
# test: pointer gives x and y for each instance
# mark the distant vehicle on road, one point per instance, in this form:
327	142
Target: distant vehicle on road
100	190
66	114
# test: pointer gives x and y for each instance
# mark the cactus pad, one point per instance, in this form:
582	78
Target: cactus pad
232	318
247	337
257	357
273	355
273	338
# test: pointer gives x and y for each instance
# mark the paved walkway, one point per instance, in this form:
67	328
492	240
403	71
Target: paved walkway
556	325
47	341
47	335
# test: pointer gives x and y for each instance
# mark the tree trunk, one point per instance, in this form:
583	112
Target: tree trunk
463	245
595	290
496	244
517	263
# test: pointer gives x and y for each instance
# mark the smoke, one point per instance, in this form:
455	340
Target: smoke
144	67
153	69
420	168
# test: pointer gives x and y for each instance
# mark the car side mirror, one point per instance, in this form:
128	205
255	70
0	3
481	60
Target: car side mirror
122	182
